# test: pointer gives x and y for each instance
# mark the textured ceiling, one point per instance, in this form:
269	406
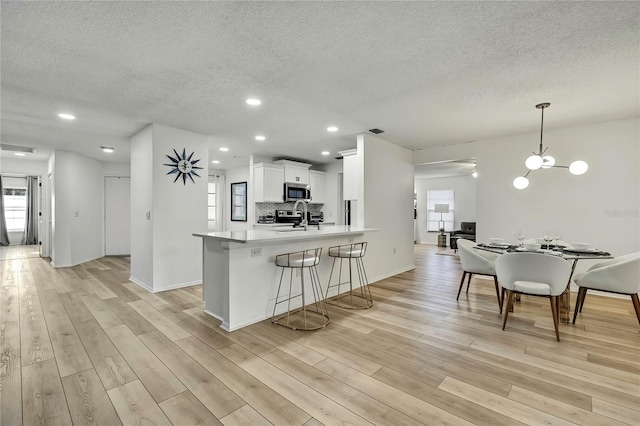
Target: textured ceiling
428	73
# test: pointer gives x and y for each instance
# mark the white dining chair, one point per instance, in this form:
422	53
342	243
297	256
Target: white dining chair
620	275
477	262
533	274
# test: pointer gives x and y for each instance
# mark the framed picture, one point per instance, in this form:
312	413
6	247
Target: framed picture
239	201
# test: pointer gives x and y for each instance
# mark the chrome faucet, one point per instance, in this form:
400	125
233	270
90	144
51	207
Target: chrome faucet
303	222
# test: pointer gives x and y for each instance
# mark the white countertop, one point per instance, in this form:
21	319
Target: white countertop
264	236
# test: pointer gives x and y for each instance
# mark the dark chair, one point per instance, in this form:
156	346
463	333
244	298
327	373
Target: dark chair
467	231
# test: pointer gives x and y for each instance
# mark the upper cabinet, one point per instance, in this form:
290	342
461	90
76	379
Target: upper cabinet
318	186
268	180
295	171
351	174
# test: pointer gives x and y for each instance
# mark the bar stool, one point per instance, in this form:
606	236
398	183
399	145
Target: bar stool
359	298
304	317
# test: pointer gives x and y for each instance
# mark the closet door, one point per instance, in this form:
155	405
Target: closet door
117	216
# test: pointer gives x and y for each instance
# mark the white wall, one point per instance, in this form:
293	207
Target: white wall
116	169
464	188
238	174
601	207
332	208
386	203
141	202
78	191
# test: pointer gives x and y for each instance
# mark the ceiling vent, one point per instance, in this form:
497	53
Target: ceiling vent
16	148
376	131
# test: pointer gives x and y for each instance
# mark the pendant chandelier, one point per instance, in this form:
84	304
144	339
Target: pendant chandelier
541	161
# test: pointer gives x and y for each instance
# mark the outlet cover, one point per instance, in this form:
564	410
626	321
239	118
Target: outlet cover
255	252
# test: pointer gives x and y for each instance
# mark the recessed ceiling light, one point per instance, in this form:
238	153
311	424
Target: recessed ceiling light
260	138
215	162
107	149
332	129
19	154
325	153
224	149
67	116
254	101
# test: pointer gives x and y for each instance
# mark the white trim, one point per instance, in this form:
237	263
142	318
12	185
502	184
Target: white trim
219	318
391	274
141	284
76	264
175	286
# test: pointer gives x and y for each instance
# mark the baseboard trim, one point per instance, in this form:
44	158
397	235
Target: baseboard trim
391	274
141	284
176	286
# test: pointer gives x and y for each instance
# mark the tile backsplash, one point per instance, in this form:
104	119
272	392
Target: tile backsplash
263	209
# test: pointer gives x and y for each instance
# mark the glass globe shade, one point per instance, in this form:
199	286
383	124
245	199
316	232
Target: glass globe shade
548	162
578	167
534	162
520	182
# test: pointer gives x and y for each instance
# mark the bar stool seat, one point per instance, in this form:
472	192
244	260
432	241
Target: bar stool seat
302	316
354	298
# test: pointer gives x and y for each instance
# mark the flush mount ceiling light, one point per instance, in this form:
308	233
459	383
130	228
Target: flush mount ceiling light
253	101
325	153
224	149
332	129
67	116
260	138
216	162
107	149
19	154
541	161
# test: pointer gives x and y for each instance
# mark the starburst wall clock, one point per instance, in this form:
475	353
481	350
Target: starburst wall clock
183	166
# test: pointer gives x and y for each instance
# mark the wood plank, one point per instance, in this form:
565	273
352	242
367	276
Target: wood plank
35	345
245	415
129	316
185	409
43	400
10	363
69	352
309	400
167	327
88	402
405	403
617	412
270	404
349	397
53	306
75	308
218	398
161	382
94	286
499	404
136	407
559	409
266	333
107	361
113	280
204	333
100	311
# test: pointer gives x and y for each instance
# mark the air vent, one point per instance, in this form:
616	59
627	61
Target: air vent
16	148
376	131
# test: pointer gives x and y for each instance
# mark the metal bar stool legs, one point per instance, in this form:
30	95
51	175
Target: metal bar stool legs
301	317
354	298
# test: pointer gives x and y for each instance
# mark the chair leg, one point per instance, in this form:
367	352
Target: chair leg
469	282
636	304
555	312
509	303
584	296
495	281
464	274
504	290
580	298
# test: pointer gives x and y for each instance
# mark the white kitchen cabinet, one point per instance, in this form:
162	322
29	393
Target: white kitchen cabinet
318	186
268	180
295	171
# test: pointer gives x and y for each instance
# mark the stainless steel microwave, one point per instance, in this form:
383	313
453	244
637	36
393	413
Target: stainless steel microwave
296	191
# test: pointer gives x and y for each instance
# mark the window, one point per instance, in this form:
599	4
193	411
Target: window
212	205
15	208
433	218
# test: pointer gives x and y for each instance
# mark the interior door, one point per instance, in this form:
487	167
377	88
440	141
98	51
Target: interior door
117	216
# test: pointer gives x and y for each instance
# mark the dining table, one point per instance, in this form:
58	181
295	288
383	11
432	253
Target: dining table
567	253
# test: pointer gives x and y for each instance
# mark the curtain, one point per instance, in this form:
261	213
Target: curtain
30	236
4	235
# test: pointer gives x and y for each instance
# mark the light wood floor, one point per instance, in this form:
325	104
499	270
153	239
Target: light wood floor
19	252
83	345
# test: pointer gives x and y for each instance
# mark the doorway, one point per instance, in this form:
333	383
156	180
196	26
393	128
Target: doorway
117	216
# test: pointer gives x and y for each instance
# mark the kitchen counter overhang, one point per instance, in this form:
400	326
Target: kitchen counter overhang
240	278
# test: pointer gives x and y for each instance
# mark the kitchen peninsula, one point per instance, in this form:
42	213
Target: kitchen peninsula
240	279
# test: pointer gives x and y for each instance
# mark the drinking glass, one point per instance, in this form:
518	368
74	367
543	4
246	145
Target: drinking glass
556	236
548	238
520	237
